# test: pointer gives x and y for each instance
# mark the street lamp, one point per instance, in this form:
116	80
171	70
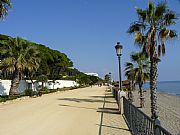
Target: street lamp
118	48
110	78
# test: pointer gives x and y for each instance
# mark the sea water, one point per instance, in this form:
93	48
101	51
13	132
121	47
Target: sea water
170	87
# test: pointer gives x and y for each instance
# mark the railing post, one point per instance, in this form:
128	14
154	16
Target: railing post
156	130
121	94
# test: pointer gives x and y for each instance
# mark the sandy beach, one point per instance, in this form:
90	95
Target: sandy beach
168	109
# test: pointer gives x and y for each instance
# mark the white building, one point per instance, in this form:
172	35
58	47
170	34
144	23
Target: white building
27	84
92	74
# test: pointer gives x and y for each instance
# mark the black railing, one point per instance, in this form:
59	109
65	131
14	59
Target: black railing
139	123
161	131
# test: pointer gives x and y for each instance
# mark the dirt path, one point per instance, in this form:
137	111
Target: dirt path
64	113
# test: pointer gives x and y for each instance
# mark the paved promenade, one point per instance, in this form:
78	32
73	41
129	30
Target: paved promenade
86	111
112	123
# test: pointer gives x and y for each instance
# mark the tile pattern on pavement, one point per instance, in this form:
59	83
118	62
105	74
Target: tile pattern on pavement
112	123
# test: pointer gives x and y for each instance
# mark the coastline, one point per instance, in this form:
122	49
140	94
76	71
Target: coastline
168	109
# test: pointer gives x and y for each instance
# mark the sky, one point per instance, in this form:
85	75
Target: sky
87	31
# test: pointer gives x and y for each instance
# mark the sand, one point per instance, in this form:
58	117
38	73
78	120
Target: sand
62	113
168	109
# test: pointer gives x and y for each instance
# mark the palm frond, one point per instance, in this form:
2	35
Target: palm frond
159	50
169	18
163	49
160	10
173	34
139	38
141	14
150	12
5	5
136	27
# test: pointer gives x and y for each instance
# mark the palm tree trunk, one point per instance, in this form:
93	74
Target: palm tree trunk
141	95
153	77
130	93
42	84
153	88
14	82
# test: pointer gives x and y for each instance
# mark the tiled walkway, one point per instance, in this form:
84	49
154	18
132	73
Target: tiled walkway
112	123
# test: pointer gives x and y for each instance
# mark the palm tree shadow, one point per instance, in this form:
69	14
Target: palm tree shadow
78	100
65	105
101	97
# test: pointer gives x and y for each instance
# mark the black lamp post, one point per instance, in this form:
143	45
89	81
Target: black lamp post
109	78
118	48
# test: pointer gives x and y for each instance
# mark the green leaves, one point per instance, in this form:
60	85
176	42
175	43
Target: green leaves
152	28
150	12
138	70
142	14
160	10
5	5
136	27
169	18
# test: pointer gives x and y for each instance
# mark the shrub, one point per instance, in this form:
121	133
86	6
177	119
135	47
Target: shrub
28	92
44	90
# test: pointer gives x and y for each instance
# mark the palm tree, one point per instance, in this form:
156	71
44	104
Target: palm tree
138	71
130	74
151	30
19	56
4	7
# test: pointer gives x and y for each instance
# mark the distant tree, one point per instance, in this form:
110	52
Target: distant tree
53	64
151	30
107	78
94	79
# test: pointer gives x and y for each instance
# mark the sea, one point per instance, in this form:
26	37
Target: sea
169	87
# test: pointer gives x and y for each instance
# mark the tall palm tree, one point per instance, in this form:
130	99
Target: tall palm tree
151	30
19	56
139	71
4	7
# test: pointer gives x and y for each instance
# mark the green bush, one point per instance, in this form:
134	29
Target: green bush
28	92
44	90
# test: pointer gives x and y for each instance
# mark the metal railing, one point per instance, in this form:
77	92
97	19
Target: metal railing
139	123
161	131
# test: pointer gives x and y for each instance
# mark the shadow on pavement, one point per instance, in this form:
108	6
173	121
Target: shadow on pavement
65	105
78	100
101	96
113	127
108	110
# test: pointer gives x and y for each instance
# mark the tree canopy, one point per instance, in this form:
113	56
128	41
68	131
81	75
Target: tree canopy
52	63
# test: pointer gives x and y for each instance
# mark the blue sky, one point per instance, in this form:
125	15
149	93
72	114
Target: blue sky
87	31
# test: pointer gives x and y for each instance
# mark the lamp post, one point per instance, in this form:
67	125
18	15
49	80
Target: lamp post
110	78
118	48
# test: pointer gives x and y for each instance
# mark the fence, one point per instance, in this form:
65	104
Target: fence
139	122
